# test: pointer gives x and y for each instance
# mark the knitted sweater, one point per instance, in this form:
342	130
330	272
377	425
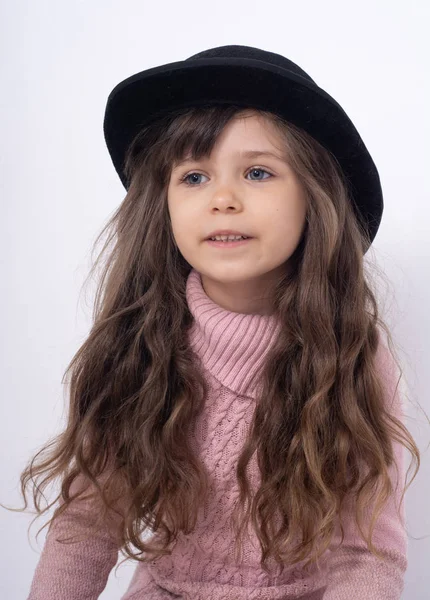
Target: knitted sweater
232	346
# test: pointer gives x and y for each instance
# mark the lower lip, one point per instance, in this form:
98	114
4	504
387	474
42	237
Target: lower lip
229	244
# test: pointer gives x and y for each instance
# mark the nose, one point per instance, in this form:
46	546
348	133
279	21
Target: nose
225	196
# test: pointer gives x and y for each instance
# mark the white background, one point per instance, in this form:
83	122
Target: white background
59	62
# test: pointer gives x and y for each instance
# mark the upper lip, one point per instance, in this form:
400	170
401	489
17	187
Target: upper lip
226	232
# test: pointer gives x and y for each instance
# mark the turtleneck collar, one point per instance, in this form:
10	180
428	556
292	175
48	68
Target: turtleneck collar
232	346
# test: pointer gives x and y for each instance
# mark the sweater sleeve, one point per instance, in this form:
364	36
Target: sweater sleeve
355	572
76	570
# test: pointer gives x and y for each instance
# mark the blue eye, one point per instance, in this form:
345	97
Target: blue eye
184	179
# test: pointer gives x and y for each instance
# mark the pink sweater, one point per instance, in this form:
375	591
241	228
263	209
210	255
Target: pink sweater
202	566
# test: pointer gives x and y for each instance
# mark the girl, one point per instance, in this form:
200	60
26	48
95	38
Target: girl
234	398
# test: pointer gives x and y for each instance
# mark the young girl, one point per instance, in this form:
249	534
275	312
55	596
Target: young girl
234	399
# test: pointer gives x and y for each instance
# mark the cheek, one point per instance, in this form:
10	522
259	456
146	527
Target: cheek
176	218
185	232
288	231
186	223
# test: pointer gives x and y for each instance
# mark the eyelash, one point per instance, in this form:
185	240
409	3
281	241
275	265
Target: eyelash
183	179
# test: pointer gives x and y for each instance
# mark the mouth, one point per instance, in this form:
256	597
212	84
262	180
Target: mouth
232	244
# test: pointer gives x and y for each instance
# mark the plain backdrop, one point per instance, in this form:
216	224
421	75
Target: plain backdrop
59	62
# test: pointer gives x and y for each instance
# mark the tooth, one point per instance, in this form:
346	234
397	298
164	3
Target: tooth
229	238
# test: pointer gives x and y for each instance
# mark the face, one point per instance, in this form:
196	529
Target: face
260	196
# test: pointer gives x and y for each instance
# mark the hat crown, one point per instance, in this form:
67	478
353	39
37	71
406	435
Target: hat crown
249	52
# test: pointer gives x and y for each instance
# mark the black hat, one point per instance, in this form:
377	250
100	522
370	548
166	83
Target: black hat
249	77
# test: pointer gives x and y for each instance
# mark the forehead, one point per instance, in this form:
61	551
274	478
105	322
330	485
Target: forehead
253	154
249	134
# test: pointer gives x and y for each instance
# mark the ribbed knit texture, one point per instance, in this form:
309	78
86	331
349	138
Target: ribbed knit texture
232	348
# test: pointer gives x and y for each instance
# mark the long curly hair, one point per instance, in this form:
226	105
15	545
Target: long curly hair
321	427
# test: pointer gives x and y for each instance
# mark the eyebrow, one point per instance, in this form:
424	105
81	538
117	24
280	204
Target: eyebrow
243	154
256	153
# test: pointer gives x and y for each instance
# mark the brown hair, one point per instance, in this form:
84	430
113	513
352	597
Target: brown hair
321	428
